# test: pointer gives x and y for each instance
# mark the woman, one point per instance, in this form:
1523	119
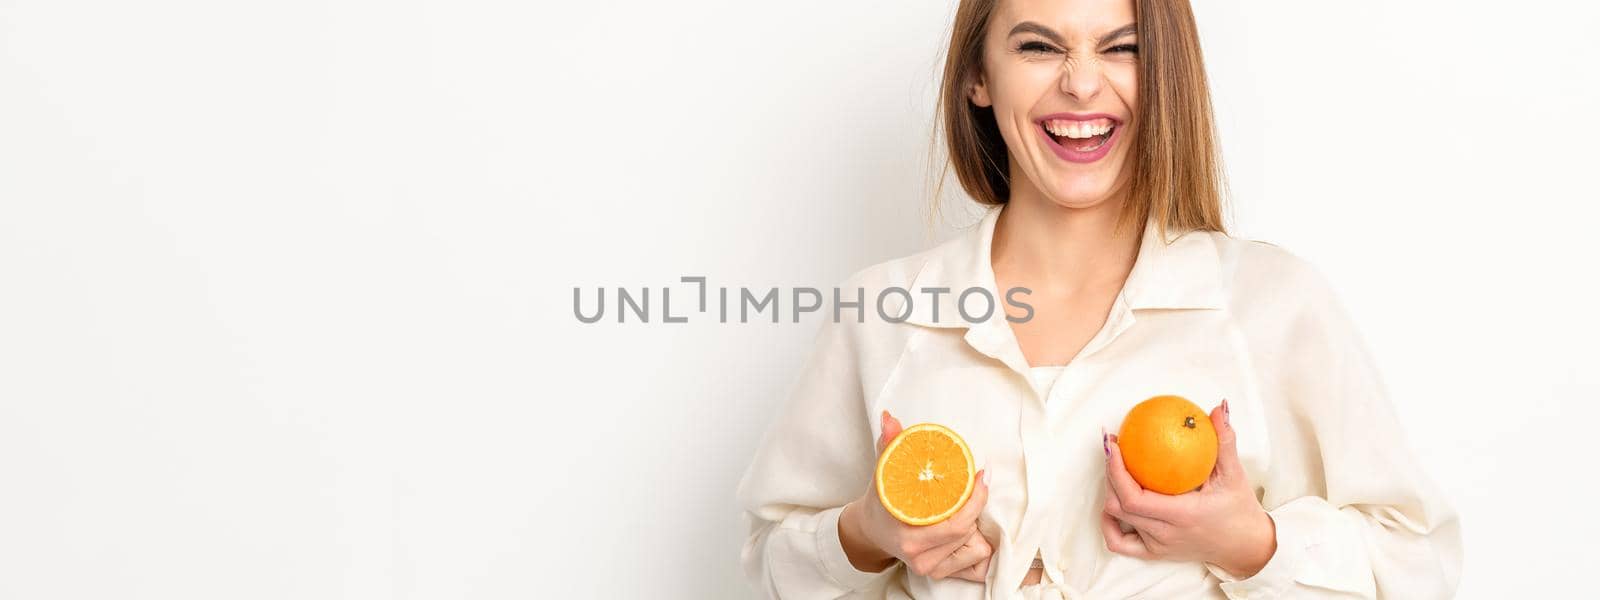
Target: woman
1087	125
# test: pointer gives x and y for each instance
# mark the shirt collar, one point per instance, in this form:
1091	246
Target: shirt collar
1181	272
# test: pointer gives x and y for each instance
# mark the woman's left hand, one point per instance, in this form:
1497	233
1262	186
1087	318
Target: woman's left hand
1221	523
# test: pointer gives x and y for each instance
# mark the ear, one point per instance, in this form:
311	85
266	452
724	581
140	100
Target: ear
980	93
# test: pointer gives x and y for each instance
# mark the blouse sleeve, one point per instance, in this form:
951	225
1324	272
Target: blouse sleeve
816	458
1356	516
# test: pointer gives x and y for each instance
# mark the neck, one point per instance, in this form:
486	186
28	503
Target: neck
1061	247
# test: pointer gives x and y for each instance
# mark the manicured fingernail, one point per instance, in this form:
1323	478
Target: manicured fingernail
1104	444
984	475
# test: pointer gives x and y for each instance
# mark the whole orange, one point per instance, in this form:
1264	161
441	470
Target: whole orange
1168	444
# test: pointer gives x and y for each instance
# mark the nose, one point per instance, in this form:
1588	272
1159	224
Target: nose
1082	79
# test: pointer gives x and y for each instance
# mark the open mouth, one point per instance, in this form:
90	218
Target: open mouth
1080	138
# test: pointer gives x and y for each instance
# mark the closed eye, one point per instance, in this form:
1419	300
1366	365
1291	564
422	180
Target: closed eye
1128	48
1037	47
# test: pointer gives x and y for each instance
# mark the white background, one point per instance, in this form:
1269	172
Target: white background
285	288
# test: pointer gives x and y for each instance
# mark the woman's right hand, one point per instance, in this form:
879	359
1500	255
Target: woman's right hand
873	539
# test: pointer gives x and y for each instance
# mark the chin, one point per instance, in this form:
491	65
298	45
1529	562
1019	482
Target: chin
1082	192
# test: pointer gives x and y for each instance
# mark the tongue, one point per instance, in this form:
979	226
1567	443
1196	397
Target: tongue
1084	145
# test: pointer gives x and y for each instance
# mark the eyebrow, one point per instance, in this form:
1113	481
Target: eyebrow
1050	34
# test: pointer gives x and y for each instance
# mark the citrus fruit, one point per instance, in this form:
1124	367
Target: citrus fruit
1168	444
925	474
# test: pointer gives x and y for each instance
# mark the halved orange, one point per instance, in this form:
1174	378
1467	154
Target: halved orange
925	474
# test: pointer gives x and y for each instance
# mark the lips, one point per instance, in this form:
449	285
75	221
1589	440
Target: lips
1079	138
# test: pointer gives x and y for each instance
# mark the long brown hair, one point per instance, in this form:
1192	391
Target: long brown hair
1177	176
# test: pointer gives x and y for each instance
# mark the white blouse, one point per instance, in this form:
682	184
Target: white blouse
1205	316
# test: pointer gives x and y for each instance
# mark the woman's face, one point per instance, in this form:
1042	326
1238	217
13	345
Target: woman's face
1062	77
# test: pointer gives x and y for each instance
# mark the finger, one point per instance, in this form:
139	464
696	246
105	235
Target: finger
943	549
975	550
924	563
972	550
1113	506
940	544
1134	499
1124	543
890	428
1228	467
978	572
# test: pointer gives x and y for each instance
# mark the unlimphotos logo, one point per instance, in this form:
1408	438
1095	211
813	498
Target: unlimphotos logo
892	304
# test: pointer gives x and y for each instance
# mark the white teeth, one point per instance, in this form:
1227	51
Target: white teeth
1078	129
